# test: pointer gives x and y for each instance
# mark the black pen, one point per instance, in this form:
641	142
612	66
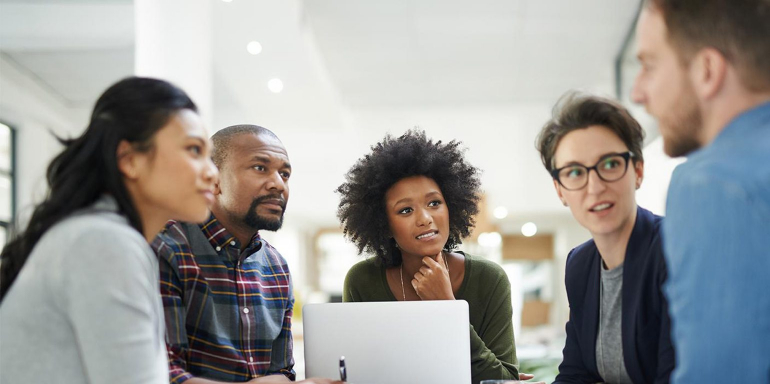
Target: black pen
343	370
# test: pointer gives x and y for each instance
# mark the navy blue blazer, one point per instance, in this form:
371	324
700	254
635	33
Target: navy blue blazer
646	326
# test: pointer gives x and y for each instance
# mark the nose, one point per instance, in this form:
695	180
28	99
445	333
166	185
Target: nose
424	218
210	172
276	183
637	93
595	184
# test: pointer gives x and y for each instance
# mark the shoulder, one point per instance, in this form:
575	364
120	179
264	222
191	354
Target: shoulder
364	270
706	191
172	240
486	268
485	273
582	256
715	176
99	241
103	230
275	258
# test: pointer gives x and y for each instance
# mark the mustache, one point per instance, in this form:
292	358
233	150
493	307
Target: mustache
262	199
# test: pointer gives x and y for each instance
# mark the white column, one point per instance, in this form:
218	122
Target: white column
174	43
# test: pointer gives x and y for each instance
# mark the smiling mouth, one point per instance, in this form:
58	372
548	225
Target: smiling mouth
427	235
602	207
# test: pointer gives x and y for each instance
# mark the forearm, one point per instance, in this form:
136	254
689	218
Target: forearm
486	364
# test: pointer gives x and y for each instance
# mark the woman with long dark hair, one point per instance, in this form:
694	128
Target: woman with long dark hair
80	301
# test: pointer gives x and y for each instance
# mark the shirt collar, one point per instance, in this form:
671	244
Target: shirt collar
220	238
741	126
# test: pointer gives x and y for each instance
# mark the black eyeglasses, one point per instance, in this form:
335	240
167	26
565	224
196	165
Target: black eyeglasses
609	168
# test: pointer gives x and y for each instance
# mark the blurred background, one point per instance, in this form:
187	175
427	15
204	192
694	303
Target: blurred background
331	78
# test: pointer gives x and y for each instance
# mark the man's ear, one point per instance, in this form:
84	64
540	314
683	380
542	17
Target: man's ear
127	160
708	70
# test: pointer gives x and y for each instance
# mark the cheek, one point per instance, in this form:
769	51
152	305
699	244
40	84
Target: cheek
398	227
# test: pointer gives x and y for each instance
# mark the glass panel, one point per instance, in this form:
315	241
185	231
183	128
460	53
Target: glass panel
5	198
5	148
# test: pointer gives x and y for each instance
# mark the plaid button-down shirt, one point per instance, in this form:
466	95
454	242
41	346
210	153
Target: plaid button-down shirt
228	313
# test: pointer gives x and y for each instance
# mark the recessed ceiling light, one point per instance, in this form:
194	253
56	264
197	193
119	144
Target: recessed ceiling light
529	229
275	85
500	212
227	1
254	47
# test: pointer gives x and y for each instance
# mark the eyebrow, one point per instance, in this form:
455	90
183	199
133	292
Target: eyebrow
409	199
197	138
579	163
267	160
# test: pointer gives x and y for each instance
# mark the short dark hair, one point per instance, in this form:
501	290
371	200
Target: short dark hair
739	29
222	139
574	111
362	204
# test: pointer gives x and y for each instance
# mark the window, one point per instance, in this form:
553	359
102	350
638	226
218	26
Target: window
7	181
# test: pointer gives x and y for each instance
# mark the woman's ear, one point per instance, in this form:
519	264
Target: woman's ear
557	187
127	160
639	171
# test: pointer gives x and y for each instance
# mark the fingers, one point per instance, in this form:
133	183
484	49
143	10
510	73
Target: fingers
526	376
430	263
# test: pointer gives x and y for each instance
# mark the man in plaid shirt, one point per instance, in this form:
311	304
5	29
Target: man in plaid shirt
227	293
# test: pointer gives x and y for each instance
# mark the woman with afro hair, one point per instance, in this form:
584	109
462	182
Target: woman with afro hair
409	203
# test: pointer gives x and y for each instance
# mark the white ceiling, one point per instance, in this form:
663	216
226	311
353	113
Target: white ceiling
484	72
450	52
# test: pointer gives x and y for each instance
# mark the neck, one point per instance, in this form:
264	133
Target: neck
612	246
151	217
412	263
718	114
241	232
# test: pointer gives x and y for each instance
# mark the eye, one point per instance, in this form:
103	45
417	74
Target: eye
573	172
195	149
435	203
285	174
611	163
260	168
405	211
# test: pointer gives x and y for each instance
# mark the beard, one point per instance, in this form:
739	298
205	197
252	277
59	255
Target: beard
253	220
680	130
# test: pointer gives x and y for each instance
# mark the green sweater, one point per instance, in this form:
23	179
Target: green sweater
488	292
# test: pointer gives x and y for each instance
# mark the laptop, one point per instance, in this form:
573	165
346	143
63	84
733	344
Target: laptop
389	342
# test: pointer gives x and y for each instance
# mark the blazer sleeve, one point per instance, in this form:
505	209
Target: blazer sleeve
572	368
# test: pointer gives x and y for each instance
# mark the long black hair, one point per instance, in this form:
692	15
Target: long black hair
133	109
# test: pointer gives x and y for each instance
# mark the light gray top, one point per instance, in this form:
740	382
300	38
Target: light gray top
609	343
86	306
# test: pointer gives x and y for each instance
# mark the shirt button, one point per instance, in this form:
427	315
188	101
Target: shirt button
232	243
251	359
218	248
245	310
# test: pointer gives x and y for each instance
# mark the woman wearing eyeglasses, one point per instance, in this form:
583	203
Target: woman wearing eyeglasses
618	329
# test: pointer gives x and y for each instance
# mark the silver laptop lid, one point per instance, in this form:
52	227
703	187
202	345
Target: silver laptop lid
389	342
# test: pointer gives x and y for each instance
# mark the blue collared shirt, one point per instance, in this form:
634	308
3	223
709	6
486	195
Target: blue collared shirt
717	247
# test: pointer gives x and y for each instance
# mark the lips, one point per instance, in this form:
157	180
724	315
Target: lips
273	203
602	206
427	235
208	195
